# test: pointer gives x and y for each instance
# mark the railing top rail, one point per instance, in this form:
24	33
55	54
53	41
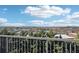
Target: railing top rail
40	38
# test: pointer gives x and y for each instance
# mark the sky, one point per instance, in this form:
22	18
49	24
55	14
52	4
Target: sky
39	15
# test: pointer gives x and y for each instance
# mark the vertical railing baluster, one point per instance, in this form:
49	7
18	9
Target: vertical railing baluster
46	46
15	44
33	49
43	46
30	45
9	50
54	46
24	45
66	50
19	45
0	44
58	47
7	44
27	45
70	47
74	47
62	46
50	46
36	45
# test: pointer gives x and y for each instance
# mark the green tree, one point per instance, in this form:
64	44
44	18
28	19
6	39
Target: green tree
50	34
77	36
4	31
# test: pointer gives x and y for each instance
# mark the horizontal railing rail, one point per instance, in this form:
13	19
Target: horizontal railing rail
40	38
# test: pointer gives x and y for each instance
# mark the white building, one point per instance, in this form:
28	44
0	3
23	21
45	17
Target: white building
63	36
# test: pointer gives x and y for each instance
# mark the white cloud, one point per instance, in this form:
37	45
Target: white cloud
45	23
40	23
13	24
5	9
74	16
46	11
3	20
69	20
37	22
54	23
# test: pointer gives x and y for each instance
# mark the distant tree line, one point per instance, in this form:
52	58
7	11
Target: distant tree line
41	33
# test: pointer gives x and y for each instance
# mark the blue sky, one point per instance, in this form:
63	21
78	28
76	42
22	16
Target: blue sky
39	15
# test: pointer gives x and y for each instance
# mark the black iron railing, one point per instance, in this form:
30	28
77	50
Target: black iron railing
22	44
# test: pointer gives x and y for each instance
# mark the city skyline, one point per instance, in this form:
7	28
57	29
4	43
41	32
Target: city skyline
39	15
